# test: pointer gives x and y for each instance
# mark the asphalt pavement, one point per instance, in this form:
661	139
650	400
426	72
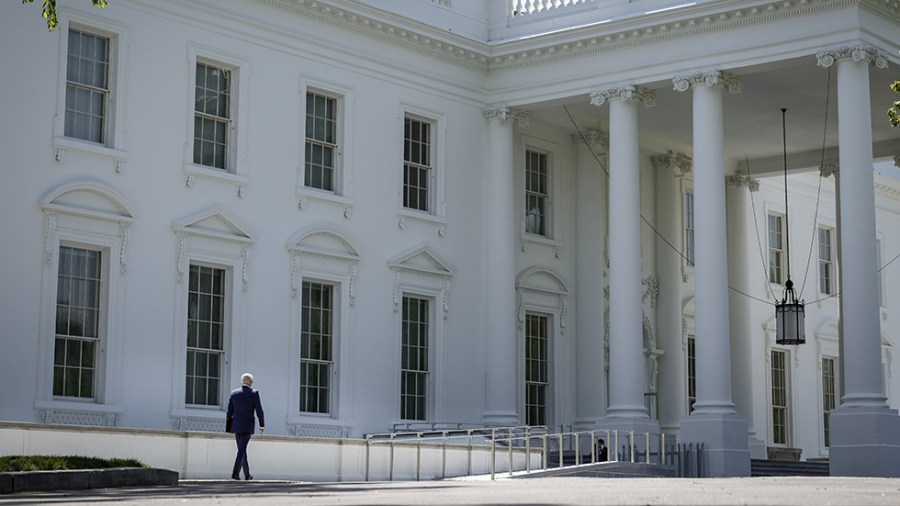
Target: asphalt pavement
787	491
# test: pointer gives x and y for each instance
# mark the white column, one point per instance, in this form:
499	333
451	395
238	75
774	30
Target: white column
626	358
744	335
714	421
591	226
500	274
865	437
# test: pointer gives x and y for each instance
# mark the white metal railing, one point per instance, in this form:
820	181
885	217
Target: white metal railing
523	7
527	441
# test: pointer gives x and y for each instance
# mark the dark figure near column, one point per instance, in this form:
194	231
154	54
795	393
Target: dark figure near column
602	451
242	404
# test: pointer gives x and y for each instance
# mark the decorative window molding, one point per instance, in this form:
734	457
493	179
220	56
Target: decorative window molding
217	239
236	171
323	254
114	137
421	274
543	290
90	215
421	267
550	236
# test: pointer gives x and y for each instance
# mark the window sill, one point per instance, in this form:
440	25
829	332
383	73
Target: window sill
61	145
306	195
420	216
528	239
192	171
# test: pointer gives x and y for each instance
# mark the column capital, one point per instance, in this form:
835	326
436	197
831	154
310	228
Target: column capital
713	78
829	168
863	52
594	138
643	95
505	113
738	181
680	164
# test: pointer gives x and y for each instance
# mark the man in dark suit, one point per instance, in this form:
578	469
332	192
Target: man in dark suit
242	404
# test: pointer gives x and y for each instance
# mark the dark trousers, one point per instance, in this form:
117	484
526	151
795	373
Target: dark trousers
240	461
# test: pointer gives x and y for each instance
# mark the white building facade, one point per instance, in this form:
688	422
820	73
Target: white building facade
474	212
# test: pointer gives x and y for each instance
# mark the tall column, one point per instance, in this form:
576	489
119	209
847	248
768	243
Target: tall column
671	171
627	410
500	272
745	342
714	421
865	438
590	224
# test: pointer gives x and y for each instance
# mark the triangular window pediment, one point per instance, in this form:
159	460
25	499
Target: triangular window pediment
421	259
215	223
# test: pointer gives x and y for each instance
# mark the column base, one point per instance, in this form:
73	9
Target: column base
865	442
725	446
757	447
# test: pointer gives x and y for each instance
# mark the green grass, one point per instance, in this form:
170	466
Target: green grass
59	462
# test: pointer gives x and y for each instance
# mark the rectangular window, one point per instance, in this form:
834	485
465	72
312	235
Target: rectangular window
692	373
212	115
87	86
77	322
321	141
779	397
776	248
826	262
414	359
205	335
537	193
316	339
829	398
536	378
689	227
417	146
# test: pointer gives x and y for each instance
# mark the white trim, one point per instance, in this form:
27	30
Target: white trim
237	169
114	146
437	203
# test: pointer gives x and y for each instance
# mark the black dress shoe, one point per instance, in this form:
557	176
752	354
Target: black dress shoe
235	477
249	477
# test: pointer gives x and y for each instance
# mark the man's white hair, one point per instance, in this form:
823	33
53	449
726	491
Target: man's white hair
246	379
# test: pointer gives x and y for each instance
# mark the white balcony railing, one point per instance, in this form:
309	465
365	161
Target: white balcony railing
523	7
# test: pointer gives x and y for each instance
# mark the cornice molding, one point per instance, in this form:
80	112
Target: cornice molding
564	45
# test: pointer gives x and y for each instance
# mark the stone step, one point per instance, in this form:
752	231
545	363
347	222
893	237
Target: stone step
759	467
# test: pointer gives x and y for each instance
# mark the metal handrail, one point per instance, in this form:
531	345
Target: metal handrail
524	437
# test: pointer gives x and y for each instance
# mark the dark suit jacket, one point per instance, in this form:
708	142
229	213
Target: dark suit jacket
242	404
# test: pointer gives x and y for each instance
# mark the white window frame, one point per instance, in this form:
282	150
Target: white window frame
544	292
105	227
212	238
420	272
691	341
549	384
835	393
546	212
553	152
324	255
342	196
114	147
831	289
430	360
224	386
778	251
826	347
688	232
237	165
788	409
437	204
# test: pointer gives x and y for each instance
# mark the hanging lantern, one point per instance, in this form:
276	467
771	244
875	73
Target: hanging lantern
790	318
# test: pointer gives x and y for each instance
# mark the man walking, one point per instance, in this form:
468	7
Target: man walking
242	404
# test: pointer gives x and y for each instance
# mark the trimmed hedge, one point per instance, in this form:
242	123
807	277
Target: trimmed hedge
58	462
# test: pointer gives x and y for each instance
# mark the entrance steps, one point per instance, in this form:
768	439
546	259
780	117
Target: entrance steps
760	467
